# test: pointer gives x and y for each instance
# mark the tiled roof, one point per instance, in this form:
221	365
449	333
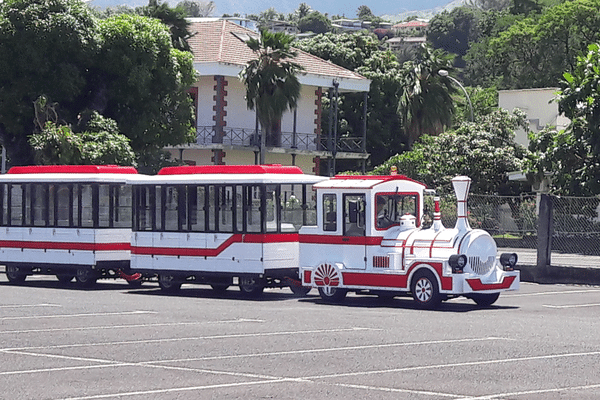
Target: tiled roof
411	24
222	41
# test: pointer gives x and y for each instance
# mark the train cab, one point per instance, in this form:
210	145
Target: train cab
72	221
369	239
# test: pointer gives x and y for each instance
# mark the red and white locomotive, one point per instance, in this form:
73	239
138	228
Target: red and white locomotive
252	226
368	239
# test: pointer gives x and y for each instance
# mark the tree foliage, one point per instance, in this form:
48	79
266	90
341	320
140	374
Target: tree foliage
314	22
572	156
485	152
124	67
272	85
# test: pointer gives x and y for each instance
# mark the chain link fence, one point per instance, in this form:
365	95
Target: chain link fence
513	221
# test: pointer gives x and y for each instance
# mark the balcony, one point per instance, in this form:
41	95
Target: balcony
305	142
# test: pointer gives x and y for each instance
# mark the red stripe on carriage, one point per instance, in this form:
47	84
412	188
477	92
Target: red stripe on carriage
476	284
237	238
18	244
337	239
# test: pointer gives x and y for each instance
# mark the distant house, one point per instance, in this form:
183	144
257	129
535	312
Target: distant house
417	25
399	43
349	25
228	133
282	26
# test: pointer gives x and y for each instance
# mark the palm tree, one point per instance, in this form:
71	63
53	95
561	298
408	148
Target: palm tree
272	86
425	101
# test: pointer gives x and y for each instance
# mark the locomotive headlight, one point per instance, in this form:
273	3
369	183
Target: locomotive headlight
457	263
508	261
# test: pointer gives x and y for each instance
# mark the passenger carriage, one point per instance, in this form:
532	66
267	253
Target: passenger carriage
222	226
369	239
71	221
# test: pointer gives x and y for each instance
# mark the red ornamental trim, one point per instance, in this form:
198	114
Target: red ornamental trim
195	252
72	169
18	244
476	284
231	169
326	275
392	280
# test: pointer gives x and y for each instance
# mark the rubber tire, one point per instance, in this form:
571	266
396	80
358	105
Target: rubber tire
425	290
14	274
251	286
332	294
169	283
484	299
86	277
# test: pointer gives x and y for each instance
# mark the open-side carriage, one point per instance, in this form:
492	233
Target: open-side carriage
222	225
71	221
369	239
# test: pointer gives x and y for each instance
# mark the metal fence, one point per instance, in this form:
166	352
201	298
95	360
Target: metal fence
513	221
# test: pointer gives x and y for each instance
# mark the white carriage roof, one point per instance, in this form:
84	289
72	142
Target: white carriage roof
367	182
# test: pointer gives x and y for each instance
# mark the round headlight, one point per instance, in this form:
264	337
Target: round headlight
457	262
509	259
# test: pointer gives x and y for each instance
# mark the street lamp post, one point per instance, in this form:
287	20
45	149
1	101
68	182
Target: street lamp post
444	73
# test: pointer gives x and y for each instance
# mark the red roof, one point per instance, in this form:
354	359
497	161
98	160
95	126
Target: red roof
223	41
72	169
411	24
230	169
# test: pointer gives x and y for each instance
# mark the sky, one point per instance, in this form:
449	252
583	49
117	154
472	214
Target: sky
348	8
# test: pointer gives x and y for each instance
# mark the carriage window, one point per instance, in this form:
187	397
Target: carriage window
310	198
86	205
392	206
253	220
239	209
104	206
226	209
122	206
354	215
3	207
171	208
273	208
212	209
16	205
144	207
292	210
329	212
196	201
40	205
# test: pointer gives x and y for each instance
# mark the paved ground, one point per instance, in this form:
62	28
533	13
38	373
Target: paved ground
60	342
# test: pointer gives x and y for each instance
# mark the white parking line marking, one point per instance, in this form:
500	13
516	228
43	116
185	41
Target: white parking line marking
77	315
571	305
552	293
332	349
454	365
151	341
92	328
395	390
29	305
529	392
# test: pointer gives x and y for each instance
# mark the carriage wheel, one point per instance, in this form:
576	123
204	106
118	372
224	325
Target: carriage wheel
14	274
332	294
251	286
65	278
169	283
86	277
300	290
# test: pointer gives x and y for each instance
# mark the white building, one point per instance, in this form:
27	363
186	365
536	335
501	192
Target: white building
539	106
228	133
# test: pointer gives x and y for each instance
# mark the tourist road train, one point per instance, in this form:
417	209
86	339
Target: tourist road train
255	227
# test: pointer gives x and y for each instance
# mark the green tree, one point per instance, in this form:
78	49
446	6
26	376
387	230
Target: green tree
45	48
314	22
485	152
272	85
144	84
454	31
195	8
425	102
573	155
173	18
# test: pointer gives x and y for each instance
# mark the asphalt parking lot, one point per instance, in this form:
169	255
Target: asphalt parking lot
113	341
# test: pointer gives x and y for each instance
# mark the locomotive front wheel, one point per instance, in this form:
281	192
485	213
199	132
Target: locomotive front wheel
425	291
14	274
168	282
484	299
332	294
86	277
251	286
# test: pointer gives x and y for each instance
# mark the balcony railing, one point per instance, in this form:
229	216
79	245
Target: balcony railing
206	135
